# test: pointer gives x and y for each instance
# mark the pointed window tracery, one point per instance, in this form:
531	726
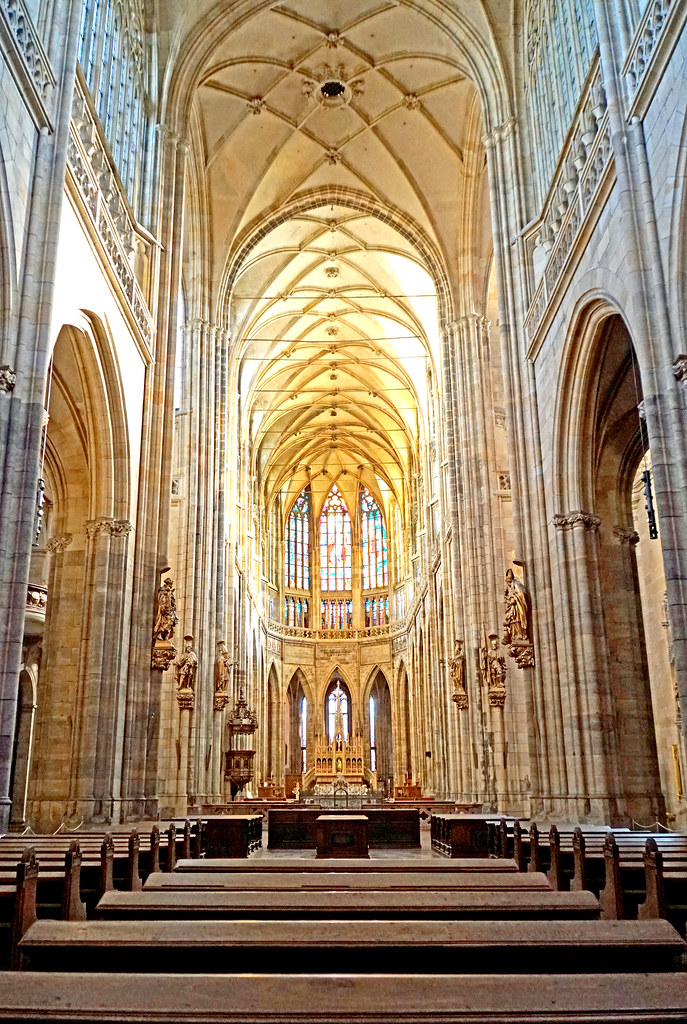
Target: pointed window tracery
375	569
297	561
335	543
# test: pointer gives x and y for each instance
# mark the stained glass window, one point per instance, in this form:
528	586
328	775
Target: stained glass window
335	543
375	570
304	733
337	703
373	750
297	561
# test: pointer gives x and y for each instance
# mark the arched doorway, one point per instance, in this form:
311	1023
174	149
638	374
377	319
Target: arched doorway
609	695
380	734
296	732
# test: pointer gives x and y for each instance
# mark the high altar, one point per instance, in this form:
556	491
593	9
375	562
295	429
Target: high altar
339	764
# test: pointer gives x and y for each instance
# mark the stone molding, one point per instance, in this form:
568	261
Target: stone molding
186	699
221	700
27	60
58	544
570	520
626	535
115	527
8	378
498	133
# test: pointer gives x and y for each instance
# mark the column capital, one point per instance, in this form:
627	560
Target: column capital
498	132
570	520
57	544
626	535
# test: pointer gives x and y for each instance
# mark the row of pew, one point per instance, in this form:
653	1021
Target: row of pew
60	876
633	874
396	937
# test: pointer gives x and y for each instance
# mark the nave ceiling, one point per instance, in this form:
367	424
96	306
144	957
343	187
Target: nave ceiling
332	301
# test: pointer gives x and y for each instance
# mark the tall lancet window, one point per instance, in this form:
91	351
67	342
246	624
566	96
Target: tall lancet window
337	712
297	561
375	570
335	543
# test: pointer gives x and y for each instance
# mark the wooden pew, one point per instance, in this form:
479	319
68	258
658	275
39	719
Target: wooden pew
344	999
469	947
386	864
397	881
331	905
296	827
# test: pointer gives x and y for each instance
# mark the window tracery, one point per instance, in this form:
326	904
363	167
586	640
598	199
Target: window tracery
111	56
561	42
375	569
298	543
335	543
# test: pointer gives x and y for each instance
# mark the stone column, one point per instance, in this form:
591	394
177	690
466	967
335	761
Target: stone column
25	366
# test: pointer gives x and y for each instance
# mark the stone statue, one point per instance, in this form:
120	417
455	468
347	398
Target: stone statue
186	666
496	664
165	612
516	627
457	664
222	668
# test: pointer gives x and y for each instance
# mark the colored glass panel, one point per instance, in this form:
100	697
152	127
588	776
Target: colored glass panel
297	561
335	543
374	547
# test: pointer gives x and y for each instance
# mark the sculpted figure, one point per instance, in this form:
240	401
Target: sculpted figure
497	664
516	626
458	675
166	612
186	666
222	668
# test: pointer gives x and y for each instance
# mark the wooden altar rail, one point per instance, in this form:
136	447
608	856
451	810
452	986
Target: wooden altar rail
344	999
296	828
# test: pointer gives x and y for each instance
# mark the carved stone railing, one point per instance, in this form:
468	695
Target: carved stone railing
26	59
644	44
301	633
108	209
581	168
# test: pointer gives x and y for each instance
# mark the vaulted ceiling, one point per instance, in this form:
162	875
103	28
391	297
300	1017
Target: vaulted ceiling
337	146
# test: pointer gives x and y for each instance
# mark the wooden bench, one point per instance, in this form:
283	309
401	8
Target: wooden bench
344	999
296	828
270	904
386	864
232	835
461	835
380	946
287	881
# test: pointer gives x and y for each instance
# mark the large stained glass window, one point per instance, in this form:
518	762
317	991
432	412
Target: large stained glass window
335	543
375	570
297	561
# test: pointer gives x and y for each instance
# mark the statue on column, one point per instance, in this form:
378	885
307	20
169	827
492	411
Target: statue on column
516	628
165	612
457	663
166	619
222	676
497	673
185	669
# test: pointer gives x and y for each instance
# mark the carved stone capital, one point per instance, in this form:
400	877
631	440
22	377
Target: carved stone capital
570	520
120	527
94	527
186	699
221	700
522	654
497	696
498	132
163	655
57	544
8	378
460	698
680	369
625	535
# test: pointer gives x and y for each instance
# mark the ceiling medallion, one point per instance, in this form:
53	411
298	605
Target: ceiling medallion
333	39
333	157
256	105
411	101
332	271
332	331
332	89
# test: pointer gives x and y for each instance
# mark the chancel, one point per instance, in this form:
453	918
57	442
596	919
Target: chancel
343	419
